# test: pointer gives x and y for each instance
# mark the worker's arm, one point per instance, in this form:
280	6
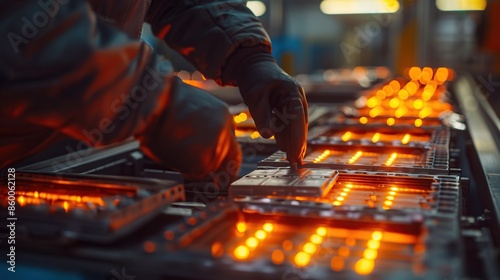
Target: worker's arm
226	42
64	70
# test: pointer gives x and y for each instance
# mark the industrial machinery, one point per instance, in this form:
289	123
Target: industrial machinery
399	183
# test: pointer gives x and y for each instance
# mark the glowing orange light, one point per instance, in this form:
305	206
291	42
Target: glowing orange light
412	87
370	254
388	90
217	249
415	73
391	159
418	104
21	200
418	123
346	136
241	117
66	206
388	203
363	120
391	121
350	241
373	244
426	75
287	245
372	102
252	242
344	251
377	235
376	137
364	266
381	94
268	227
427	94
241	227
277	257
424	112
241	252
316	239
394	189
395	85
33	198
441	75
375	112
401	111
406	139
309	248
355	157
302	259
340	198
260	234
337	203
394	103
321	157
149	247
255	135
337	263
321	231
403	94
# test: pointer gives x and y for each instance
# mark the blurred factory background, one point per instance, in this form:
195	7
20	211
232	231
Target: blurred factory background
313	35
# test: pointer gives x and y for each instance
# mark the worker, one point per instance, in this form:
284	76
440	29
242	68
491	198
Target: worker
76	68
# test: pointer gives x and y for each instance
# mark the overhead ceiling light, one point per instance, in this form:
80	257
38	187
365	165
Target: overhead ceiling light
461	5
343	7
257	7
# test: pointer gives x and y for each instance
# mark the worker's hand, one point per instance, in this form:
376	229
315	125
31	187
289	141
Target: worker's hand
195	136
277	104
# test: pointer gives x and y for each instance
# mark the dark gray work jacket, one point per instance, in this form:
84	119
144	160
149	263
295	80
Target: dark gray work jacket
69	67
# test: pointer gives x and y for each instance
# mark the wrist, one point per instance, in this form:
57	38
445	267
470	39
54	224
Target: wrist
241	63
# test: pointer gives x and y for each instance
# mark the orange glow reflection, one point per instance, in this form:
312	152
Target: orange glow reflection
324	155
391	121
364	266
346	136
337	263
241	226
395	85
406	139
355	157
217	249
415	73
241	252
277	257
302	259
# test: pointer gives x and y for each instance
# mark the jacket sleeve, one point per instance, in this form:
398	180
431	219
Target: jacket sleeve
64	70
213	35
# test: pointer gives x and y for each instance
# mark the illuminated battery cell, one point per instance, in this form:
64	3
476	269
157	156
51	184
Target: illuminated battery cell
356	191
327	244
365	135
88	207
431	160
284	182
